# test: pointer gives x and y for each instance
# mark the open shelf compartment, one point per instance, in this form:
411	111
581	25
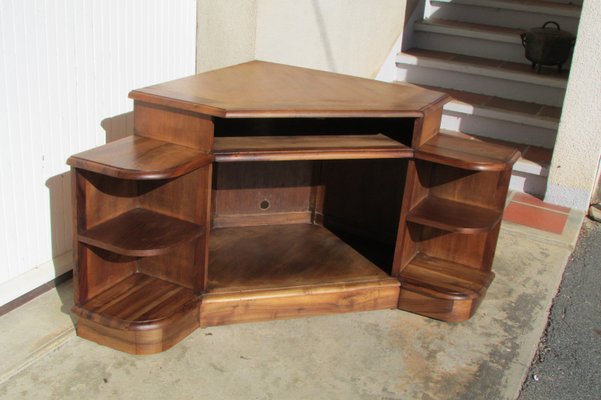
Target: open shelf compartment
453	216
141	232
258	272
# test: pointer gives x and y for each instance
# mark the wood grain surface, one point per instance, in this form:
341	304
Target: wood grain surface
136	157
467	153
453	216
141	232
283	256
331	147
263	89
315	173
139	315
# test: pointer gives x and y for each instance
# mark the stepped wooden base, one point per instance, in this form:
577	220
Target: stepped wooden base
306	271
148	341
140	315
221	309
441	289
442	309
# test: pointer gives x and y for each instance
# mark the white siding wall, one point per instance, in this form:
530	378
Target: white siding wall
66	66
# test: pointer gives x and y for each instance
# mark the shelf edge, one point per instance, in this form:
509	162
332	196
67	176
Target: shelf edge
85	237
418	216
423	154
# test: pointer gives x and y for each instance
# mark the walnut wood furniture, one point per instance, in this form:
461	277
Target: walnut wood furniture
264	191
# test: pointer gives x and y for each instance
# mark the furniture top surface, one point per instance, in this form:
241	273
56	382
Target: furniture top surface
262	89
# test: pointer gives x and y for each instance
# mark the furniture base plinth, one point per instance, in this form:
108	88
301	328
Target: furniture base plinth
142	340
264	305
444	309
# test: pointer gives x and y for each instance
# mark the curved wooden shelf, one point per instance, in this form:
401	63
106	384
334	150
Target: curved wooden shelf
139	315
141	233
137	157
467	153
454	216
314	147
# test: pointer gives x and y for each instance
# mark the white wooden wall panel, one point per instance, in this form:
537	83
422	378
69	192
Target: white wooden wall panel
66	67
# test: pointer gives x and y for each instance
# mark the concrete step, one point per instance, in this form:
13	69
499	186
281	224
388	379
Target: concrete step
497	78
470	39
507	13
530	172
498	118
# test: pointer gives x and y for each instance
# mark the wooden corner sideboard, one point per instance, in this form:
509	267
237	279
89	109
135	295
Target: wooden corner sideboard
263	191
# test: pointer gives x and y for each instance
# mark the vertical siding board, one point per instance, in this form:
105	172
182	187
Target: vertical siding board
5	168
66	66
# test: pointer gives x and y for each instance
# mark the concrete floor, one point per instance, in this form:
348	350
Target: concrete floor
569	355
373	355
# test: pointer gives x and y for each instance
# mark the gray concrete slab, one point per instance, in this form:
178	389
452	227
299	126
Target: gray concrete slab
31	331
387	354
569	359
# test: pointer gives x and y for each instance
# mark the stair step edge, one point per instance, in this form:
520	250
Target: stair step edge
529	167
564	10
474	69
474	32
504	115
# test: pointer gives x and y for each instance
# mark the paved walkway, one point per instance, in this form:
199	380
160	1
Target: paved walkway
386	355
568	363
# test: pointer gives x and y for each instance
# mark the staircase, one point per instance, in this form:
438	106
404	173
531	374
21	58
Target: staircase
472	50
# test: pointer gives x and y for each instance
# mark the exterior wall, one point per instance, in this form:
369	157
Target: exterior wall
348	36
67	67
574	168
226	33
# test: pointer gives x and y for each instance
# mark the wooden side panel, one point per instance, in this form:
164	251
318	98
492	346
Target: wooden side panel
482	189
491	242
186	198
363	197
99	269
172	125
217	309
97	198
177	266
100	198
466	249
406	248
245	193
428	126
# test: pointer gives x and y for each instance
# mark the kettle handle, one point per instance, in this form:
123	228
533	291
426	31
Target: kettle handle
523	36
551	22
